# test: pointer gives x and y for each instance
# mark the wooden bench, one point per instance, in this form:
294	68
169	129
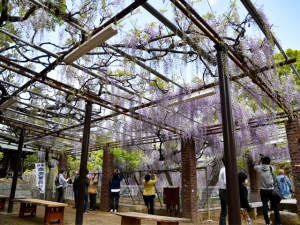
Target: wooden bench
256	209
134	218
2	202
288	204
53	210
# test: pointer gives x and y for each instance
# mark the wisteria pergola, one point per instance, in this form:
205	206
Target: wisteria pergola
120	93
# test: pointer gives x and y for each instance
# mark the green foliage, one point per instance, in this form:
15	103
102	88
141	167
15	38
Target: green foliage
73	163
96	156
131	160
287	166
95	160
284	70
1	155
30	160
241	163
159	83
61	5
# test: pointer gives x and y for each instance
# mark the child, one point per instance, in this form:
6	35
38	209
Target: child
245	207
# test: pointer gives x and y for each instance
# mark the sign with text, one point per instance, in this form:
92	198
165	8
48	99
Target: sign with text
40	176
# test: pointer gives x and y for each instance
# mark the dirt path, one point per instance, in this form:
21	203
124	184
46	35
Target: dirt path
93	218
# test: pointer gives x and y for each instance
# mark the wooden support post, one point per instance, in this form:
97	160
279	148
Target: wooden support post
83	163
16	172
232	186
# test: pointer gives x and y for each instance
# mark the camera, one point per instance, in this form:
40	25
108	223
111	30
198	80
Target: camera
262	156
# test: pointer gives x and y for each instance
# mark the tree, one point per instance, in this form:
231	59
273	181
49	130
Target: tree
127	161
30	160
285	70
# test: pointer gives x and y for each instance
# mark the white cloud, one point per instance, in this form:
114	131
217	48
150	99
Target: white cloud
212	2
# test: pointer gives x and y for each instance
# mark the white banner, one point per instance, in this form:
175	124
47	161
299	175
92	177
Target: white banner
40	169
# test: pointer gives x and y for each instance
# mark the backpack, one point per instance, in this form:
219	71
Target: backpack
56	182
283	181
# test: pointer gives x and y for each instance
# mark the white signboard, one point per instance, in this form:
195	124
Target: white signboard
40	176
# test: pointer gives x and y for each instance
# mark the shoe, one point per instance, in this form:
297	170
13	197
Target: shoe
111	210
92	209
116	210
86	212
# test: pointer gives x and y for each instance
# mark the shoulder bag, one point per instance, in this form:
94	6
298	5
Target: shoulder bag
276	193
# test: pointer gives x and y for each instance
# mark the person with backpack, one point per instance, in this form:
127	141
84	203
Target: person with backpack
115	188
284	184
61	180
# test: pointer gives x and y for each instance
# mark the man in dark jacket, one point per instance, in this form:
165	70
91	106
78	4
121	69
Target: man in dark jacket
75	188
262	166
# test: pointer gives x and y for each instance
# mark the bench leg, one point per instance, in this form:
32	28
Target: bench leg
252	214
259	211
54	213
2	204
130	221
27	208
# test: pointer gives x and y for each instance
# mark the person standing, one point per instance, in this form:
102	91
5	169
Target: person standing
62	181
222	194
284	184
149	192
245	207
262	166
75	188
86	193
115	188
93	191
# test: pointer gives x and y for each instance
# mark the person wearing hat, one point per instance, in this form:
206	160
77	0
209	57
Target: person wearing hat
245	207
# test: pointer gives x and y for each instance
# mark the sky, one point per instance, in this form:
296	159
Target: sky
282	15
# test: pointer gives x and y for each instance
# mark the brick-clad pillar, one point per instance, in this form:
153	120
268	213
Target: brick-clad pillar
188	180
107	173
254	182
293	137
62	162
